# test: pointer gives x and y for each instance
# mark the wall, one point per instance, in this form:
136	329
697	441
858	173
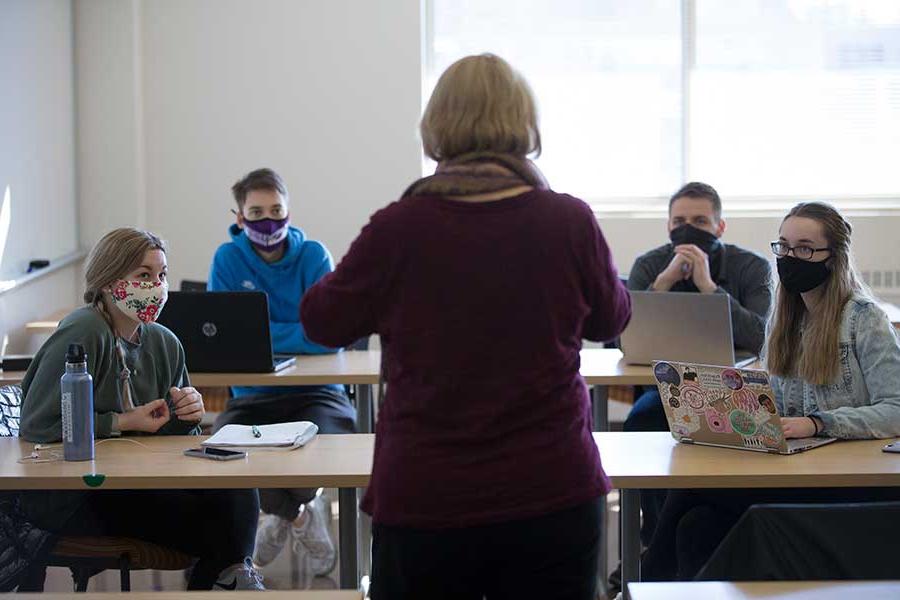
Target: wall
199	93
37	158
875	238
110	126
177	99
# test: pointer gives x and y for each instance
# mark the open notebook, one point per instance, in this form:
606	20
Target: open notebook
280	436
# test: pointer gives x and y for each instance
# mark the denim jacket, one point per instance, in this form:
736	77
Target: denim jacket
864	401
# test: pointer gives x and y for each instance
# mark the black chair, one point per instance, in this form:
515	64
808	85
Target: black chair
188	285
792	542
85	556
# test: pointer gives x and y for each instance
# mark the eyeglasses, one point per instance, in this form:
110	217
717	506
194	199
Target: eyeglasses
780	249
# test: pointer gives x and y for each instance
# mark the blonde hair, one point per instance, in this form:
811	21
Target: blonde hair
814	354
480	104
116	254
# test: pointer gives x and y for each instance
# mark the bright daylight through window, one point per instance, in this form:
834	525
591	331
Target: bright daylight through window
768	100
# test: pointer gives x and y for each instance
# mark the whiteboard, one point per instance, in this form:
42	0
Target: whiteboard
38	206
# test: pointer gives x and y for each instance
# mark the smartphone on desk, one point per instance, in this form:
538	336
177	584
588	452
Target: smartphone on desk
215	453
892	447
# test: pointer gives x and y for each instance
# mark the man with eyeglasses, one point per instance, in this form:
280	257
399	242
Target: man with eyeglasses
696	260
268	254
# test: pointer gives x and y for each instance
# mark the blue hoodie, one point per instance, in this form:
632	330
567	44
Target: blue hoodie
237	267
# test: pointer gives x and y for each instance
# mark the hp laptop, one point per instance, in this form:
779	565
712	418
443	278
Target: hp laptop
223	332
681	326
724	406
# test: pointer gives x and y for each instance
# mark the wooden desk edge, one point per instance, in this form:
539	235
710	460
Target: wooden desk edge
75	482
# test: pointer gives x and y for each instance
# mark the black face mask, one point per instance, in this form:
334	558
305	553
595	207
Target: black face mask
798	276
688	234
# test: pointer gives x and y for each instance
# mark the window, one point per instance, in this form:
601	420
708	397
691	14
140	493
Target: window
767	100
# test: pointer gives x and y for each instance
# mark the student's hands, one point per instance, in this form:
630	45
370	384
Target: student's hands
678	269
699	262
188	404
798	427
147	417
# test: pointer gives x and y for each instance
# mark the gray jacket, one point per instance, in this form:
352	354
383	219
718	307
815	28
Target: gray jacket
864	402
744	276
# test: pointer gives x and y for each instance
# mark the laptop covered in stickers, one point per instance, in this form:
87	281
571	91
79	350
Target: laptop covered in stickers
724	406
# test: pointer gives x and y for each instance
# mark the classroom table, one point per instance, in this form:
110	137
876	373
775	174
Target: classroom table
11	377
157	462
634	461
654	460
766	590
603	367
49	324
600	367
358	368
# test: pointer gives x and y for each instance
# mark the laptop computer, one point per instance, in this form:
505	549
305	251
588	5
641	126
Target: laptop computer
724	406
223	332
681	326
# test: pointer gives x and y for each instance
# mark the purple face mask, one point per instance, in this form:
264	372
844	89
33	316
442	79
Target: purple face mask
267	234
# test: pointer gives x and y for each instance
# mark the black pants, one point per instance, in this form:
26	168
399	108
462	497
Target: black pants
694	522
647	414
552	556
216	526
330	410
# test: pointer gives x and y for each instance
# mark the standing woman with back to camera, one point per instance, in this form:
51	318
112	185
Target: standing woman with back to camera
481	282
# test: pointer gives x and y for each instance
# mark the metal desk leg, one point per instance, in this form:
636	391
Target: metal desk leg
600	407
365	421
600	410
602	573
631	538
365	544
347	533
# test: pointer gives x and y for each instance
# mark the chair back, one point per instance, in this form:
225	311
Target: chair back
10	410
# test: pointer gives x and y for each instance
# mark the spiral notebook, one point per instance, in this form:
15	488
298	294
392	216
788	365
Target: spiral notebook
279	436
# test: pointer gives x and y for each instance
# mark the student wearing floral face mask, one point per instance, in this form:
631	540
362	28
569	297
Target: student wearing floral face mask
140	385
269	254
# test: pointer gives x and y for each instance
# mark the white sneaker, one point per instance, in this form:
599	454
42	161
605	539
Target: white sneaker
242	576
271	534
314	538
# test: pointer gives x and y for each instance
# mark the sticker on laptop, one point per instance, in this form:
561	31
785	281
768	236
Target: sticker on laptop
732	379
666	373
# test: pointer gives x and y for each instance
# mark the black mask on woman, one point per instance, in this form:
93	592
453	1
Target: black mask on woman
798	276
688	234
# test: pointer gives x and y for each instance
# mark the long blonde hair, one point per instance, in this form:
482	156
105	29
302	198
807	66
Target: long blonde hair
116	254
480	104
813	354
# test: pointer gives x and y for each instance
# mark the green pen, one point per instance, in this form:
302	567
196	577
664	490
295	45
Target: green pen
256	432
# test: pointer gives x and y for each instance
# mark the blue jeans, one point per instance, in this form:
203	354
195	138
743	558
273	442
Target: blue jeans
647	414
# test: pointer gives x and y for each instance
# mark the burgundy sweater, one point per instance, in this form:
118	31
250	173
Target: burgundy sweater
481	308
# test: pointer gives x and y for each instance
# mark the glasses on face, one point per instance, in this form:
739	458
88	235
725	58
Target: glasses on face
781	249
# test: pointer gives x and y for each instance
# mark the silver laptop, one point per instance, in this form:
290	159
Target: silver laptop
681	326
724	406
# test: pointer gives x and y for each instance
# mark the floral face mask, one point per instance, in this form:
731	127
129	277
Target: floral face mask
140	300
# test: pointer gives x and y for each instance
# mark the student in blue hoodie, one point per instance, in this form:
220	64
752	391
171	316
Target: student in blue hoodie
267	253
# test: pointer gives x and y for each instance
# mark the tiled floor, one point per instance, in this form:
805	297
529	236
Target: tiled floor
283	573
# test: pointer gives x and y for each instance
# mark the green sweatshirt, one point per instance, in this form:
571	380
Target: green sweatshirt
156	363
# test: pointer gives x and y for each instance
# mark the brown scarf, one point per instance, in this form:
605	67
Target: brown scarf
478	173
